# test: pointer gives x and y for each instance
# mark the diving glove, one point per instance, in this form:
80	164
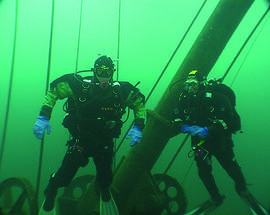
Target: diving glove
195	130
136	134
40	126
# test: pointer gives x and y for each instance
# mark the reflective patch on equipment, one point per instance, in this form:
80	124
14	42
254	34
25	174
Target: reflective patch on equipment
208	95
116	84
224	125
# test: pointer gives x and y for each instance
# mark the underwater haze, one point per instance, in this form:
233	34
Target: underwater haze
42	40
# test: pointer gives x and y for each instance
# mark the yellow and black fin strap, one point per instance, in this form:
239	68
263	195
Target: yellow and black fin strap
46	111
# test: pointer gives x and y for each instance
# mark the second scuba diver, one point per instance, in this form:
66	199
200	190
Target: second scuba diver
209	116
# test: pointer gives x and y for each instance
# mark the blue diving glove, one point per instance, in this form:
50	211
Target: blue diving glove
185	128
194	130
40	126
136	134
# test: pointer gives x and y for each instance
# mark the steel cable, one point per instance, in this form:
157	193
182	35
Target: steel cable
166	66
47	87
3	141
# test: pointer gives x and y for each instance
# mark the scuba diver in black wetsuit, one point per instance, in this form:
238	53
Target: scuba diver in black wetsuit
209	116
94	106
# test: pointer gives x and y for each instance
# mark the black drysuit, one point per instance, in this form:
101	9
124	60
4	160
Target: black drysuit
212	110
93	119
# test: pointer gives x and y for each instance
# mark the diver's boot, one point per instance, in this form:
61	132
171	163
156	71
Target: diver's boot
107	203
103	192
105	195
48	204
252	203
42	211
50	194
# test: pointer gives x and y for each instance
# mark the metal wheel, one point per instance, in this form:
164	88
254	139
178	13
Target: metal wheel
175	202
17	196
73	194
78	186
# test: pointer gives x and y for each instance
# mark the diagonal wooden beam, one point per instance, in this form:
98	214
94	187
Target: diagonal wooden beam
202	56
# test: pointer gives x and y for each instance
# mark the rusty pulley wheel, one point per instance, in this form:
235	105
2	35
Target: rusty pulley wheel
17	197
73	194
162	196
174	202
78	187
